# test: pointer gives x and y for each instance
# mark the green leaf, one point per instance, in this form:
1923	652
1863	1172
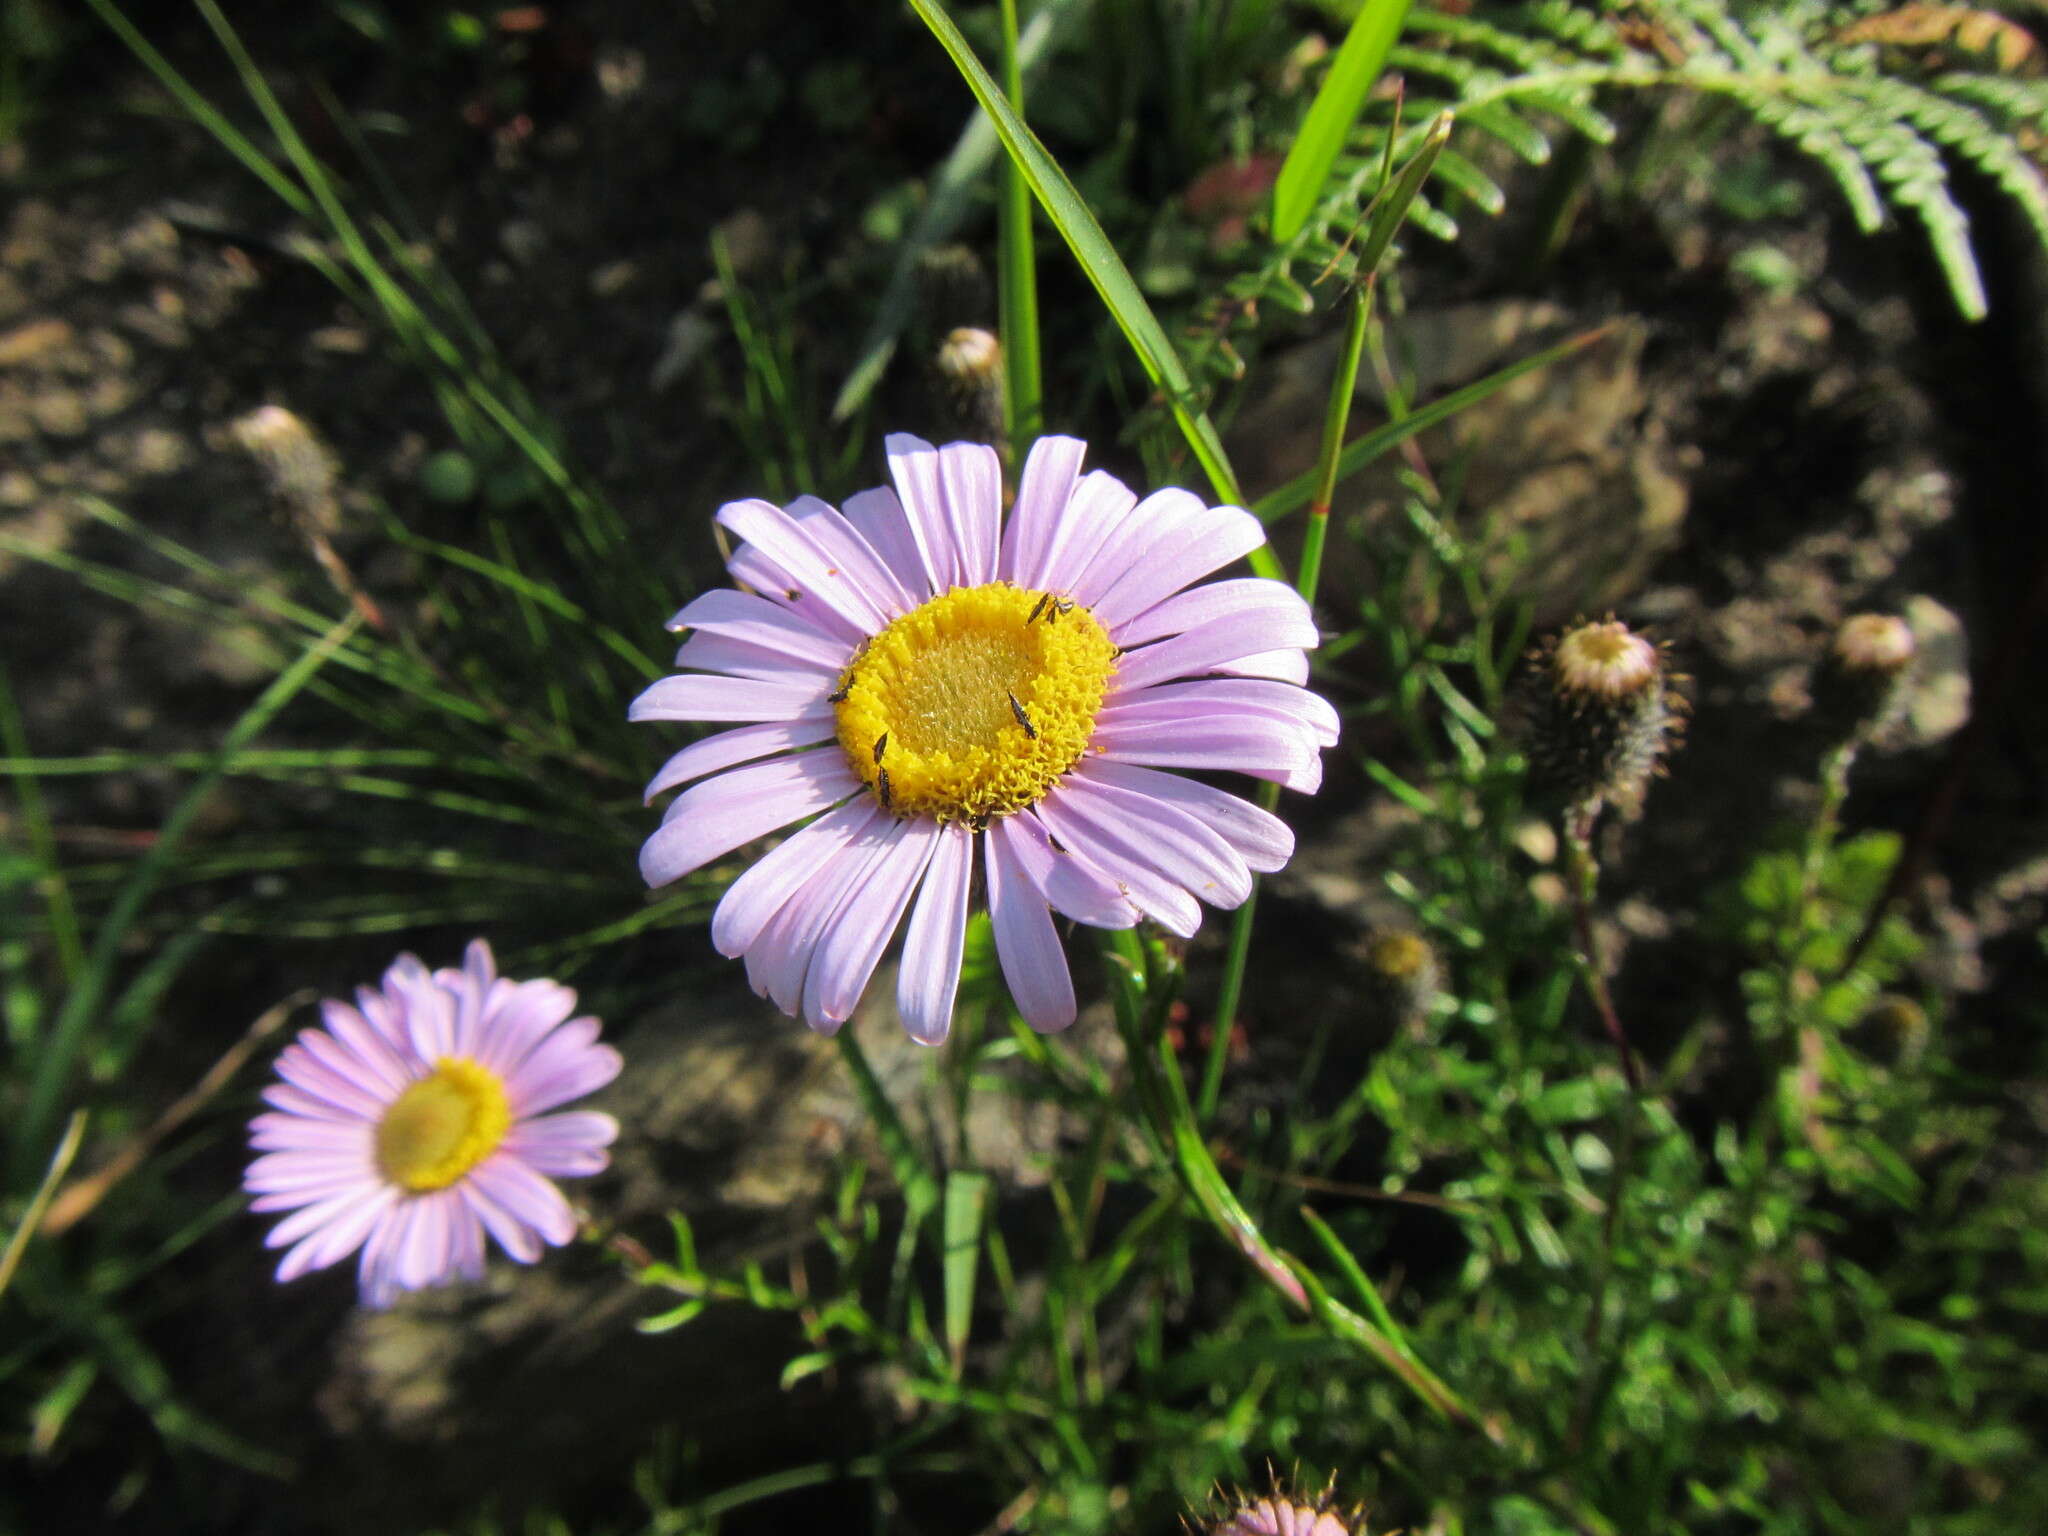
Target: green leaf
1100	262
966	1209
1332	113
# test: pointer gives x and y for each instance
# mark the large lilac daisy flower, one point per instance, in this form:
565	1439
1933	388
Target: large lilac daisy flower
930	678
416	1122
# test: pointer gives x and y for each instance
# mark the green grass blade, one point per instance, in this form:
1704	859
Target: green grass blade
1297	493
52	1073
1017	271
954	191
966	1210
1333	112
32	1217
1100	262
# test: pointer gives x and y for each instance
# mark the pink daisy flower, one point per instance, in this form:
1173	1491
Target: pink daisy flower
1280	1517
935	685
416	1122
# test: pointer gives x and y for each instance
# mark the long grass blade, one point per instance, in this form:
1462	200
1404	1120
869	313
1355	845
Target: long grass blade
1331	115
1105	269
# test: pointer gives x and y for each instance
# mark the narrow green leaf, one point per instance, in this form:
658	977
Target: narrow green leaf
1296	493
1100	262
966	1209
1332	113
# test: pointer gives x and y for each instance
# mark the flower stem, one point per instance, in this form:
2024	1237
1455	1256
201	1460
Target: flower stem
1336	417
1016	270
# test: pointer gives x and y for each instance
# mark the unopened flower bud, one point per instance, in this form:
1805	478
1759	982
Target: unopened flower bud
1857	685
297	468
1402	969
969	366
1597	709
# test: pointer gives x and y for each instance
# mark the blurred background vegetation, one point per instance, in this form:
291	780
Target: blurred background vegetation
1725	317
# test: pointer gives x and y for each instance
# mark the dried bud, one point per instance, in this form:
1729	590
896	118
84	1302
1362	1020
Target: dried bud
1401	968
969	366
1857	685
296	466
1598	711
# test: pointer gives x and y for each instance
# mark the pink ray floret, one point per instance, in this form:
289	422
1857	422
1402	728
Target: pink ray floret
326	1151
1207	676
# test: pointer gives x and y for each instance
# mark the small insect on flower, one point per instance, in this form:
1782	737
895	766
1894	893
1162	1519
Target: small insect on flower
418	1120
1034	676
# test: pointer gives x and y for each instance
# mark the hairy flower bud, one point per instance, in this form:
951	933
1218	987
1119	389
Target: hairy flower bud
1402	970
969	369
1597	710
297	468
1857	686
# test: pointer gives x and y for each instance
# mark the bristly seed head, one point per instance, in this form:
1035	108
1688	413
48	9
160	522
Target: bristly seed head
1598	711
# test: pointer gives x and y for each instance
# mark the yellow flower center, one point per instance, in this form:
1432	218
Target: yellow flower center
972	705
443	1125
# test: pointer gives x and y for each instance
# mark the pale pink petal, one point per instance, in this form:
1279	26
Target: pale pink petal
954	496
753	570
720	814
1116	853
882	521
1071	884
570	1145
1026	943
336	1238
1211	600
753	620
771	880
276	1132
519	1019
1200	649
1163	517
429	1014
516	1237
698	697
1188	547
1051	471
1194	699
1175	843
715	653
780	960
853	940
1246	743
798	555
375	1060
932	946
742	745
566	1065
1097	509
1288	664
300	1068
852	555
1261	839
525	1196
426	1250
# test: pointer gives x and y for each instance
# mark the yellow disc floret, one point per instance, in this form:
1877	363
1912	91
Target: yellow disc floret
443	1125
972	705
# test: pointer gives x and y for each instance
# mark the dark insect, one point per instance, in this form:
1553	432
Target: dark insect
1022	718
1057	845
881	745
838	695
882	790
1037	608
1060	605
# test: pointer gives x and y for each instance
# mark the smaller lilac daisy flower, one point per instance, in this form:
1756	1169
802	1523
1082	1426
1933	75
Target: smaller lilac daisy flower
416	1122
